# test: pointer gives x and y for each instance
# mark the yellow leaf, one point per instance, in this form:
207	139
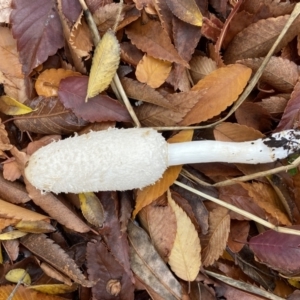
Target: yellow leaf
222	87
214	242
185	256
54	289
153	71
186	10
92	209
10	106
48	81
105	64
40	226
152	192
11	235
16	275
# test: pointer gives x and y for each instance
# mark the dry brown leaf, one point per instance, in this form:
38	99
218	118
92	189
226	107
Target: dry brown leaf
201	66
152	192
152	71
265	197
143	92
232	132
214	243
48	81
52	253
10	210
239	231
257	39
274	104
149	266
160	223
5	222
230	82
185	256
152	39
80	38
281	74
186	10
11	171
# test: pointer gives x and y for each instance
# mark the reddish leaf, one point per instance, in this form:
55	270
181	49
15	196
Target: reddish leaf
37	28
279	251
72	93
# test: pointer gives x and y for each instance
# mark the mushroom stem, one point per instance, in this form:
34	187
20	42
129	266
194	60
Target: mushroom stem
124	159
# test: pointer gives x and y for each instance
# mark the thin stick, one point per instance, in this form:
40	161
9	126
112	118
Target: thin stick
116	83
240	211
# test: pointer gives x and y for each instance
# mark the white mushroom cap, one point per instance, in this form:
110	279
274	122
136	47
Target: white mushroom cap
104	160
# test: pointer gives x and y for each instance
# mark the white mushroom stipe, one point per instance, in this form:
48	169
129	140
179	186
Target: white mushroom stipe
125	159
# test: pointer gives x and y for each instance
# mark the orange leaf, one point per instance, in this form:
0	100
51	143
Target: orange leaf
148	194
223	87
48	82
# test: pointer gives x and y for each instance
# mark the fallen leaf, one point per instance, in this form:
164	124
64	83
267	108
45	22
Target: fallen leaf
231	80
152	71
185	256
105	64
10	106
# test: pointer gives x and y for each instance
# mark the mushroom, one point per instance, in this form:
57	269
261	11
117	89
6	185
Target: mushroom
124	159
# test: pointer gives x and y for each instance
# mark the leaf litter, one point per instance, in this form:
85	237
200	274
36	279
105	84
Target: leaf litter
183	65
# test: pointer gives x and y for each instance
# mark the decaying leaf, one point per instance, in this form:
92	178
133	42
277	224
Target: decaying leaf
185	256
214	243
92	209
105	63
149	266
17	275
186	10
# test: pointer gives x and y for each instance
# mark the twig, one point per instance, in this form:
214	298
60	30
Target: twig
240	211
116	83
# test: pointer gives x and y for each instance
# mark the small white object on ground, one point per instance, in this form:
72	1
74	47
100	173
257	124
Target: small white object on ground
125	159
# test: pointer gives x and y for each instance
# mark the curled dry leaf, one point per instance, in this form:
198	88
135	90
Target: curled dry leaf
185	256
105	64
48	81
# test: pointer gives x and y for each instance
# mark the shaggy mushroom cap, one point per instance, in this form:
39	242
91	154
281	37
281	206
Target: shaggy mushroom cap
103	160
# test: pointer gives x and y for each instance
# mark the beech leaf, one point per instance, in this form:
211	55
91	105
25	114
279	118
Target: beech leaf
214	243
186	10
185	256
231	80
105	64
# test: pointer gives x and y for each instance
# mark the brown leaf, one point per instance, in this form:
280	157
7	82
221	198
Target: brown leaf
291	116
274	104
257	39
52	253
160	223
149	266
50	117
38	37
109	275
238	235
186	10
254	116
152	39
281	74
230	80
214	243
